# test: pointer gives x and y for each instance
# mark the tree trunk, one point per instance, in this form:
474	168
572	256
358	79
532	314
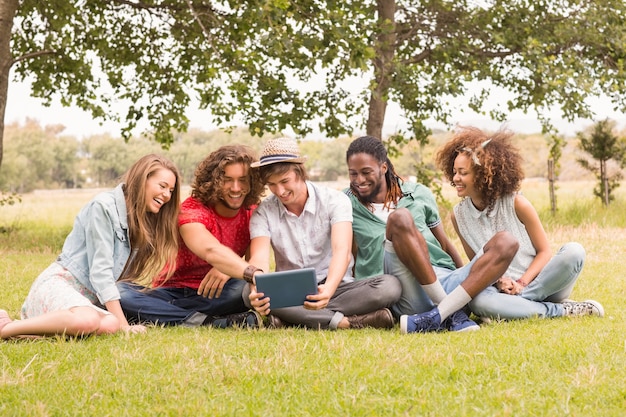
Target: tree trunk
605	183
8	8
383	67
551	180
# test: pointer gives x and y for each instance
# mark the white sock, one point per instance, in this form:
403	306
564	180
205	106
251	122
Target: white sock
435	292
453	302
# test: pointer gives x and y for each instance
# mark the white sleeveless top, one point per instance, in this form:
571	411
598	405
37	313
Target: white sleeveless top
476	228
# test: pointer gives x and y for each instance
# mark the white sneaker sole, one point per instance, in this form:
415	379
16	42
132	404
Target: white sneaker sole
403	323
471	328
598	306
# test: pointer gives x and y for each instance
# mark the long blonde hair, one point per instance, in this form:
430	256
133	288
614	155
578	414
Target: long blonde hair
153	236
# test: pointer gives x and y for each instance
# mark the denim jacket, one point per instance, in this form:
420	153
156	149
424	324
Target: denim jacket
98	246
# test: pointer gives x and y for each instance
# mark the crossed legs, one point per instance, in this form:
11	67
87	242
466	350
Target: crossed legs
411	250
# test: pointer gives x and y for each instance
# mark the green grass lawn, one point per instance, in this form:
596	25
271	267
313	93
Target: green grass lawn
558	367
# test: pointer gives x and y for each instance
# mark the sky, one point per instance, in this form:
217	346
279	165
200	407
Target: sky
20	105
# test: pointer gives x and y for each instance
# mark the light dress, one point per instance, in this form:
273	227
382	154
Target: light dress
56	289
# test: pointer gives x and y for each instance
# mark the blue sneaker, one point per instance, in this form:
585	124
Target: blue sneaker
459	322
429	321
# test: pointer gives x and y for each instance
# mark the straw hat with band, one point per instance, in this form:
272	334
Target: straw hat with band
279	150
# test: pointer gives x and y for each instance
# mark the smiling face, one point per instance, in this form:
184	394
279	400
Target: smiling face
290	189
159	189
367	177
235	187
464	177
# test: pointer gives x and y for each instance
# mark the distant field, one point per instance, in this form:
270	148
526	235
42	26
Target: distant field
61	206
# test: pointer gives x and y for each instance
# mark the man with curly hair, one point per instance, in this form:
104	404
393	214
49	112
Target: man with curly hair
211	272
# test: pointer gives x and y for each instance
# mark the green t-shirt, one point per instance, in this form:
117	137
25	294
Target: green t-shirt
369	230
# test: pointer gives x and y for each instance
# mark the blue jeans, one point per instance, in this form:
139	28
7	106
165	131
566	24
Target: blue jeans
179	306
542	297
413	299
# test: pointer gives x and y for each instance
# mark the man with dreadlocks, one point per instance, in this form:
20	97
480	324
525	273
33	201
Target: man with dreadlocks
397	230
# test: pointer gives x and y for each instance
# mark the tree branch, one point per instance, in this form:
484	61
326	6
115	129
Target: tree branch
32	55
140	5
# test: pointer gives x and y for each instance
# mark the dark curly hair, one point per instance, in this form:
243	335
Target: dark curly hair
497	164
209	175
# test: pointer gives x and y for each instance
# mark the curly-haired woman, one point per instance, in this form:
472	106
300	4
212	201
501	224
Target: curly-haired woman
486	171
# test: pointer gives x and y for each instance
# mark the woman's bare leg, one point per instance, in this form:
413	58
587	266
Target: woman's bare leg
77	321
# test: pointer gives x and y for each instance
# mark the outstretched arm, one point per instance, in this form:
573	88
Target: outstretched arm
226	263
115	308
206	246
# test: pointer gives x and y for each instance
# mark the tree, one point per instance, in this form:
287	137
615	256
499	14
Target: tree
278	64
603	146
555	151
39	158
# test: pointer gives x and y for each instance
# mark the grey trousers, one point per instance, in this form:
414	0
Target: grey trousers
351	298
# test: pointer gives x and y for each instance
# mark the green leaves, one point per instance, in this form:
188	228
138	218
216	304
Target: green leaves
279	64
603	145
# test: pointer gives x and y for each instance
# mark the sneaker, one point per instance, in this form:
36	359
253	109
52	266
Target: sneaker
460	322
249	319
274	322
429	321
4	319
583	308
379	319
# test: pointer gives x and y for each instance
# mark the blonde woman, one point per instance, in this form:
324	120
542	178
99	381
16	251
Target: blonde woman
127	233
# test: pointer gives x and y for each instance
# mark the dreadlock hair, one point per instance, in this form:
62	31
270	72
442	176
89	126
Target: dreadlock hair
496	163
209	176
375	147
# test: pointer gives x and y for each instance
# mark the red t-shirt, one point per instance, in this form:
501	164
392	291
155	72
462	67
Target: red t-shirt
233	232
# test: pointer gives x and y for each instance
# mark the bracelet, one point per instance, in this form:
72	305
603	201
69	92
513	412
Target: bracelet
248	273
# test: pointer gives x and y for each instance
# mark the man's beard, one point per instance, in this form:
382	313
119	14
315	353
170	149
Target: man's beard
368	199
222	199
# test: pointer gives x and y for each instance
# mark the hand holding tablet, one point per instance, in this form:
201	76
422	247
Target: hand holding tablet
287	288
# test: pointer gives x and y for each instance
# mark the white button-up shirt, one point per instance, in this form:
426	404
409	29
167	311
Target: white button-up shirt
303	241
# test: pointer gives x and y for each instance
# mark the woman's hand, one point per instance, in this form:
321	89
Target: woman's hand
508	286
135	328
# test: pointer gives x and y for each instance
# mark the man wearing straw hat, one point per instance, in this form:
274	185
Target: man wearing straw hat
311	226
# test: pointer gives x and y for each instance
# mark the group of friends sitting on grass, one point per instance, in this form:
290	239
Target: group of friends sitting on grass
136	257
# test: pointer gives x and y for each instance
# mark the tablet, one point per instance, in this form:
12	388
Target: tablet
287	288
